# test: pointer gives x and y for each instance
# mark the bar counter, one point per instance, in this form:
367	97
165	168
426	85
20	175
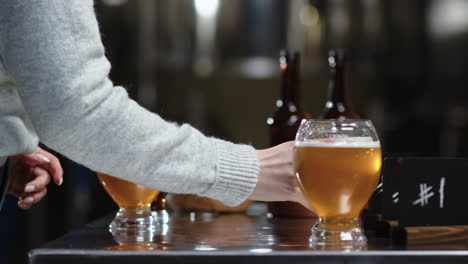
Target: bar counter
245	238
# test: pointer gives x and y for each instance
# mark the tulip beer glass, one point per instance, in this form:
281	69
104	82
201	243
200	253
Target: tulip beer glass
134	201
337	164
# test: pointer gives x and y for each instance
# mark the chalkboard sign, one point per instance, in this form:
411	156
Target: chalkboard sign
426	191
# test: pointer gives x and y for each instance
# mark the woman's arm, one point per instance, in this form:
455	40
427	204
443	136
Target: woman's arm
53	51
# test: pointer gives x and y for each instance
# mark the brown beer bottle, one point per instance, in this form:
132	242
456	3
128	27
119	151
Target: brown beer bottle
283	124
338	104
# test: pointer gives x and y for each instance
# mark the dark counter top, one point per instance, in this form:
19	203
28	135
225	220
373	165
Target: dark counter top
245	238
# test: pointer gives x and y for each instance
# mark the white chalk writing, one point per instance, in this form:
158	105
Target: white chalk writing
441	192
424	195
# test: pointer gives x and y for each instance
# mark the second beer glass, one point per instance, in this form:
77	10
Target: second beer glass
337	164
134	201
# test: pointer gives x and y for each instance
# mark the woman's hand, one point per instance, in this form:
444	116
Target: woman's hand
30	174
276	180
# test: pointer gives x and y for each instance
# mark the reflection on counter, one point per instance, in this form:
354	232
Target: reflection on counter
244	236
141	240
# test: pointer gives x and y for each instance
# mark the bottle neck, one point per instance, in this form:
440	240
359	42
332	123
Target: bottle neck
337	86
290	92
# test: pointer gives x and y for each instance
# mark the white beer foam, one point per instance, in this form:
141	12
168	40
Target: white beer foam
349	142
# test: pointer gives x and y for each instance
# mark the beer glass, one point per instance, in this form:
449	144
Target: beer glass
134	201
337	165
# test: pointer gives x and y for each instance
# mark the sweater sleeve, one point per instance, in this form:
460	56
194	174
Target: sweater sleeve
53	51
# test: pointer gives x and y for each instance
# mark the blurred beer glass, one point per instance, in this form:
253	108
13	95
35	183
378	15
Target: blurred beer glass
134	201
337	164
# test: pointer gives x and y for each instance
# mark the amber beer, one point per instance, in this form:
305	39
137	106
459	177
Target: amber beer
127	195
337	176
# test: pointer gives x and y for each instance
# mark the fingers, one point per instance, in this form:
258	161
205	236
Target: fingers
34	190
53	166
28	199
41	179
30	174
33	159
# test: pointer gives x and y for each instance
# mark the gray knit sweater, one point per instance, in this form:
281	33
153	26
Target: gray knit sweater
54	88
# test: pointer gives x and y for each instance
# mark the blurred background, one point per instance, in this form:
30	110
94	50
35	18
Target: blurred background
214	64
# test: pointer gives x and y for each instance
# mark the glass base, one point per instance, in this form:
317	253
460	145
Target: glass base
338	234
133	236
161	221
139	221
160	216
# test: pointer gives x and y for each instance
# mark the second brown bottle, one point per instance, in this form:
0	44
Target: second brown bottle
285	121
338	104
